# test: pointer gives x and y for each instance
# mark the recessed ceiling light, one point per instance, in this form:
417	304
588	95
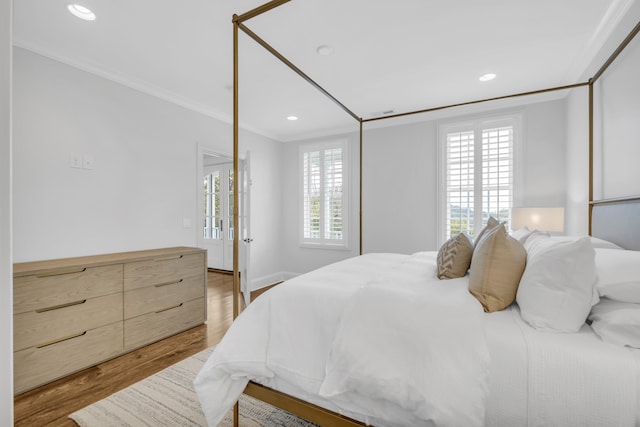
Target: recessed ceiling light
292	118
324	50
81	12
487	77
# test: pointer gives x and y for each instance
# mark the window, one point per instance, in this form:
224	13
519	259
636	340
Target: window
324	207
212	218
218	199
479	173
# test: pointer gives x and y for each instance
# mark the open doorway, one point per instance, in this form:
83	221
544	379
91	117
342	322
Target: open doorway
217	211
216	185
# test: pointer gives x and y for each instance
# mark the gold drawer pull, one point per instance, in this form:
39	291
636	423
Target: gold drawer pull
169	308
62	272
56	307
168	258
175	282
70	337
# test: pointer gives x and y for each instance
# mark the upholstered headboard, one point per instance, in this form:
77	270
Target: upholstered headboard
617	221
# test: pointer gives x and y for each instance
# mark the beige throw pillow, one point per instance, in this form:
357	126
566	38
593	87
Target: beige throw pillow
454	257
496	268
491	223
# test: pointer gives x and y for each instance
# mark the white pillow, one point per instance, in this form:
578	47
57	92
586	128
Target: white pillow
557	287
617	322
521	234
618	274
604	244
524	233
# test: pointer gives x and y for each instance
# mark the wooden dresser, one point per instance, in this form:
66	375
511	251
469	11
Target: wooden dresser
73	313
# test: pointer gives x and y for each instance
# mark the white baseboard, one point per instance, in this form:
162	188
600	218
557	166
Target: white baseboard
271	279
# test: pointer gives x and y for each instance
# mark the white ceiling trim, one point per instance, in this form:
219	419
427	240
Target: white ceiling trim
505	104
607	26
139	86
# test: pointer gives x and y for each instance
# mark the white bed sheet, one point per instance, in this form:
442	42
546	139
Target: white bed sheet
549	379
537	379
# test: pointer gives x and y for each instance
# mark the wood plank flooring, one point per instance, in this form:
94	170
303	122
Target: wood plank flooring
50	404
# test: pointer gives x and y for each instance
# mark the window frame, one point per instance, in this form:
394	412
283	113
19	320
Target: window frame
477	125
322	242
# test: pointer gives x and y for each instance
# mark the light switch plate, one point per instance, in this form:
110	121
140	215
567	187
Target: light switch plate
75	160
87	161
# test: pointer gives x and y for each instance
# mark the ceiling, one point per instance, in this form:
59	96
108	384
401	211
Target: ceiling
402	55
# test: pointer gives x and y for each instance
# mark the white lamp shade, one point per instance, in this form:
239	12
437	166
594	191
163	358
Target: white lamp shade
543	219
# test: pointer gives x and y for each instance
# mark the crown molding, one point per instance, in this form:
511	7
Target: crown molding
605	30
140	86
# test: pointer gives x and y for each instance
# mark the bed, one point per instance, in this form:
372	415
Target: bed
334	338
380	340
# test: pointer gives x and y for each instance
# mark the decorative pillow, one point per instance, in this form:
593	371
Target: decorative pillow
496	267
491	223
618	274
557	288
454	257
617	322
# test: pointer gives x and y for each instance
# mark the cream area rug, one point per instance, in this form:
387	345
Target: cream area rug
168	399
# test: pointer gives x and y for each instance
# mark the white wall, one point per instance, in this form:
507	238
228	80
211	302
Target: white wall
400	187
577	163
143	182
266	209
6	287
618	104
545	135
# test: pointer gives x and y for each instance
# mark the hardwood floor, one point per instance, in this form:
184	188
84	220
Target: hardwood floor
50	404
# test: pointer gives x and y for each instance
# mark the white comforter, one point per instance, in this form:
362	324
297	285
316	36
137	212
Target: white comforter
379	336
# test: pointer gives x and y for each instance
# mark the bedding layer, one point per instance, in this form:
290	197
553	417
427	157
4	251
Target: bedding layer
541	379
303	335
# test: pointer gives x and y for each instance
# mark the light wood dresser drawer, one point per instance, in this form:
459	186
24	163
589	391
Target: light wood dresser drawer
158	297
153	326
69	313
34	366
50	289
162	270
36	328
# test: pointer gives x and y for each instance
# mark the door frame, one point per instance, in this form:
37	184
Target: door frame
206	150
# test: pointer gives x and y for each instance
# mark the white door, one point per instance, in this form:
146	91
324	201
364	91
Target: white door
245	227
217	230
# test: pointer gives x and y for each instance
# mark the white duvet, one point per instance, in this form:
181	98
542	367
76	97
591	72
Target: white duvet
380	339
379	336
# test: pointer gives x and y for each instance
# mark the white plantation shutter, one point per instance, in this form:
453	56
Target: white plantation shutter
311	195
460	182
497	172
333	194
478	173
324	196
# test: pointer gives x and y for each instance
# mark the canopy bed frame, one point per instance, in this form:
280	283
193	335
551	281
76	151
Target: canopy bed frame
608	219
